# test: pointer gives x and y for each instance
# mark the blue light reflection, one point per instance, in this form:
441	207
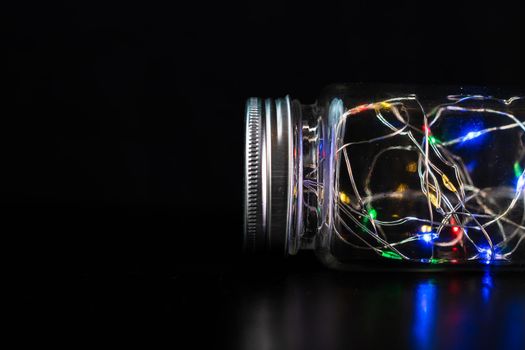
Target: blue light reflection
486	286
425	315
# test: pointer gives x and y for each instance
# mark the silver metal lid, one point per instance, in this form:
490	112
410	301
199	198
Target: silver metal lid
269	171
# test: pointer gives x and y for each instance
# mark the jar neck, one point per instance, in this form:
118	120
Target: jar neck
308	151
315	141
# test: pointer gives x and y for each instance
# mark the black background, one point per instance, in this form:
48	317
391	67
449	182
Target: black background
122	146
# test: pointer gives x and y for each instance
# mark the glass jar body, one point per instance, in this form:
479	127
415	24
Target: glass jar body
387	176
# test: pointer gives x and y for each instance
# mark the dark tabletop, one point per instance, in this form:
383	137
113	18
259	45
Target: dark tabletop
296	308
293	304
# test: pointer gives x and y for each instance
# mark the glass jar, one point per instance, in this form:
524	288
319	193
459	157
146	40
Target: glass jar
385	176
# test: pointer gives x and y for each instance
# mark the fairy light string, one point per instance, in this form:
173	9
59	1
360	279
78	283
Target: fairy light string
455	204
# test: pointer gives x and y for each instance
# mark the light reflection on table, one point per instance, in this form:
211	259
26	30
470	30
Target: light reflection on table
359	310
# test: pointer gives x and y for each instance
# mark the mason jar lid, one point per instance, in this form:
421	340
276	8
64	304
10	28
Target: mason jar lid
269	170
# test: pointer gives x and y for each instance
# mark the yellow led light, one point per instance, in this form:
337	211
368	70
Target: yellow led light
344	198
402	187
434	200
411	167
426	228
448	184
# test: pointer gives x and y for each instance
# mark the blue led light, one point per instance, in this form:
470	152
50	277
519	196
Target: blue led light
427	237
471	135
486	255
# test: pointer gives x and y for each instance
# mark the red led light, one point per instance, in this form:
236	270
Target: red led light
455	229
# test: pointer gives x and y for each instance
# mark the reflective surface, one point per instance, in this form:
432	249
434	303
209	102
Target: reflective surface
291	304
356	310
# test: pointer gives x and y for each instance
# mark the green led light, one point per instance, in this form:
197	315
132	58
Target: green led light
391	255
434	261
433	140
517	169
373	213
